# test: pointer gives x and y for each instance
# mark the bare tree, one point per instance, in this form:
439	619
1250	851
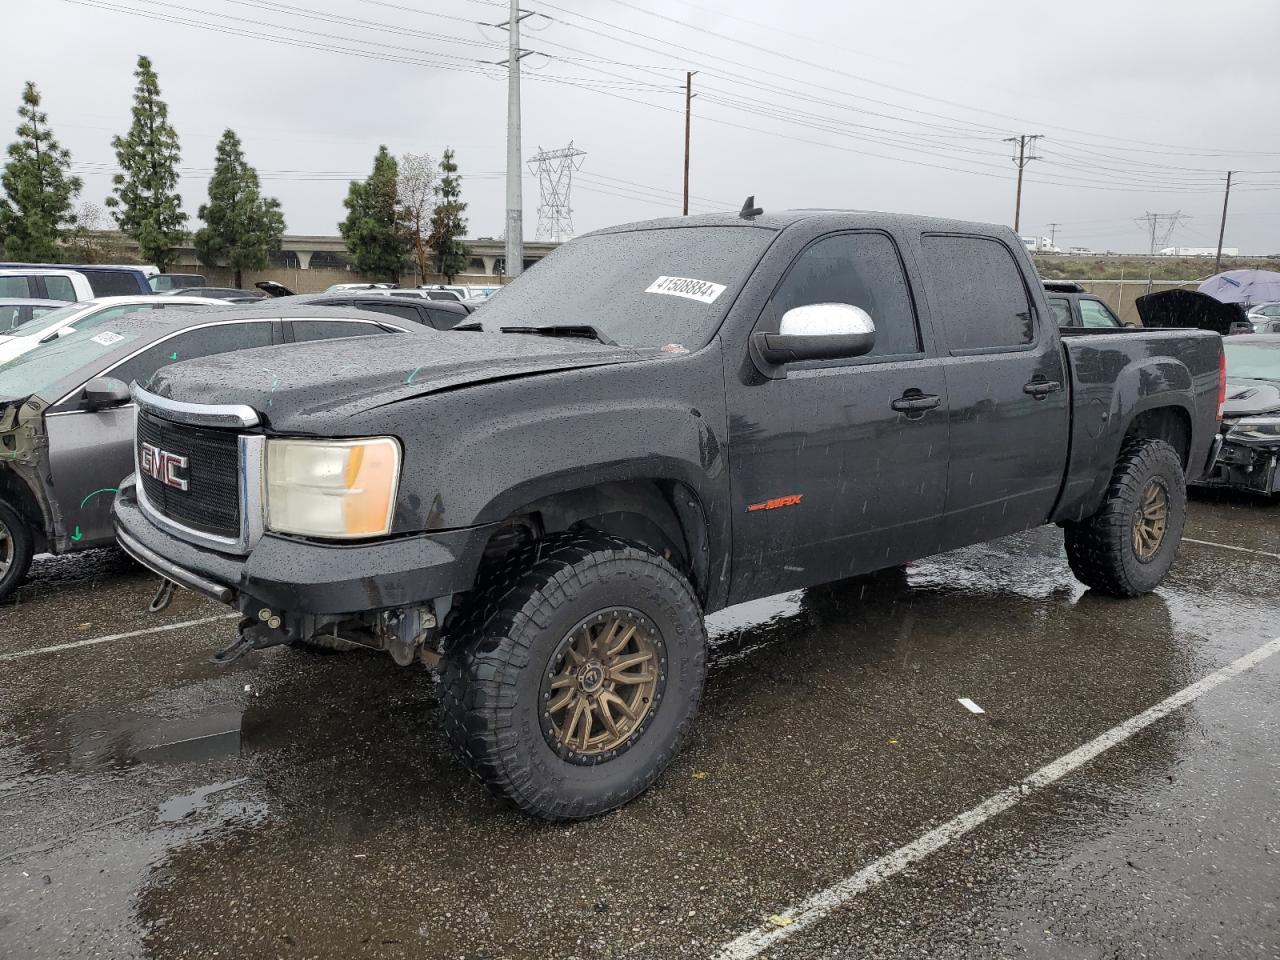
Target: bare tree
417	188
90	242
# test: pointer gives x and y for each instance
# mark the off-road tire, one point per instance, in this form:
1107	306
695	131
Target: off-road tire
1100	548
16	546
504	642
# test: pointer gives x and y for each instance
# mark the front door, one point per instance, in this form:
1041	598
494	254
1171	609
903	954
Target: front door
1008	390
90	452
840	468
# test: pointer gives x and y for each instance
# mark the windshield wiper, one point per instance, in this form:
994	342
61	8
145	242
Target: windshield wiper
583	330
469	325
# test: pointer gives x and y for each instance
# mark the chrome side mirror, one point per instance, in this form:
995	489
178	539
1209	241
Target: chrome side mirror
818	331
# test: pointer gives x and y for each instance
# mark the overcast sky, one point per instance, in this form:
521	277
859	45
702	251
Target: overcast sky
897	106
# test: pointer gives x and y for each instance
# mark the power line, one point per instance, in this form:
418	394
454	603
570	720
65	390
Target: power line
772	51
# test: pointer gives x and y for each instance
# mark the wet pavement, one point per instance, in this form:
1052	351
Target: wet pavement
305	805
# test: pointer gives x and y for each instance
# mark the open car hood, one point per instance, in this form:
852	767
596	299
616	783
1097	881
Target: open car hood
1188	309
312	387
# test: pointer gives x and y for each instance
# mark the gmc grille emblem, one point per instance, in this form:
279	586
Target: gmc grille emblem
162	465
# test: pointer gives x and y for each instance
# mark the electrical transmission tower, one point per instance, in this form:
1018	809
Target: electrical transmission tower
1159	228
555	169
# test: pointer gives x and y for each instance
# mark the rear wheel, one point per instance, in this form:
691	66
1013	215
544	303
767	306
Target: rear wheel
572	677
16	547
1127	547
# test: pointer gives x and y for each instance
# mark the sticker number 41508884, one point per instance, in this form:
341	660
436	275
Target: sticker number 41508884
704	291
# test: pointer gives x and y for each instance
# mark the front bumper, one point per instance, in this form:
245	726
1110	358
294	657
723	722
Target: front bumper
1244	466
302	577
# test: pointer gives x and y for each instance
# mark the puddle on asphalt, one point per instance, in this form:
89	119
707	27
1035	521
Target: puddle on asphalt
96	740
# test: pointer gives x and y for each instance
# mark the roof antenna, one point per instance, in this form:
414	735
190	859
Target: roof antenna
749	209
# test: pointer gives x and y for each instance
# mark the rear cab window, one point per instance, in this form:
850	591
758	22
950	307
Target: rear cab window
979	293
1060	308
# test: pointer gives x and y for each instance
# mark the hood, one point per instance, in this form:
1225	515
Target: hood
1188	309
1249	398
293	384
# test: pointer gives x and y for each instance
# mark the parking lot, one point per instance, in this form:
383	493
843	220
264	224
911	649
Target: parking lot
305	805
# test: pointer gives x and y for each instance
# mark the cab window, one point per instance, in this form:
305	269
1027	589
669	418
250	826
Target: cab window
200	342
305	330
981	297
861	269
1094	313
1060	308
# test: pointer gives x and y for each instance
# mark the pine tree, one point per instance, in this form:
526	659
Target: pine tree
146	203
36	210
447	223
374	229
242	228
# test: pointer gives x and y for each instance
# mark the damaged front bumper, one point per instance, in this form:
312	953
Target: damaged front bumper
1245	464
387	594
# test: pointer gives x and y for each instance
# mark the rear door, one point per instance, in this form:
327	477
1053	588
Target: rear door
839	468
1006	383
90	452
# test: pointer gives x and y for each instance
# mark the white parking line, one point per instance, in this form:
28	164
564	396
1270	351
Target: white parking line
115	636
1227	546
805	914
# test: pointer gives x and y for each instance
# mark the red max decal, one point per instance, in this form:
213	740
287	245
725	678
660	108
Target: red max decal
775	503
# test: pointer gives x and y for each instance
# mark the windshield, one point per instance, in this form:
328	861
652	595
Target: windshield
1253	361
34	371
644	288
44	321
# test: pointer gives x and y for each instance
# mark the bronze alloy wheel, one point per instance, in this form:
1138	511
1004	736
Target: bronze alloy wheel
1150	520
602	685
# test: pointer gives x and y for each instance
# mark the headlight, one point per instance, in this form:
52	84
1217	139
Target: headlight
332	488
1256	428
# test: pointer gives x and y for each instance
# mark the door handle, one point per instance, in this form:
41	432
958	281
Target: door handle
1041	388
915	402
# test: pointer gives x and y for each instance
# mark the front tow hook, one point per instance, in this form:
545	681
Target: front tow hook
250	635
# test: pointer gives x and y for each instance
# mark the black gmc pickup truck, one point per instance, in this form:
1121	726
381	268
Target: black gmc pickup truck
657	421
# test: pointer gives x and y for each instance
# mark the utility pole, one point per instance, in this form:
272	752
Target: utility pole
688	113
515	198
1222	230
1053	233
1026	142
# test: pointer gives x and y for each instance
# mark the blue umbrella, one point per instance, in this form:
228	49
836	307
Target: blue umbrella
1244	286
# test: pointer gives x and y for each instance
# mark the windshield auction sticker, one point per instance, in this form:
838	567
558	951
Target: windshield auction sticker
704	291
107	338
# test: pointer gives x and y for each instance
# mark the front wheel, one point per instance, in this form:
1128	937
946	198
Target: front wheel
16	548
574	674
1128	546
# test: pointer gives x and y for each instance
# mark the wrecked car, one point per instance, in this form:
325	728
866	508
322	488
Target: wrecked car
1250	446
663	419
67	421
